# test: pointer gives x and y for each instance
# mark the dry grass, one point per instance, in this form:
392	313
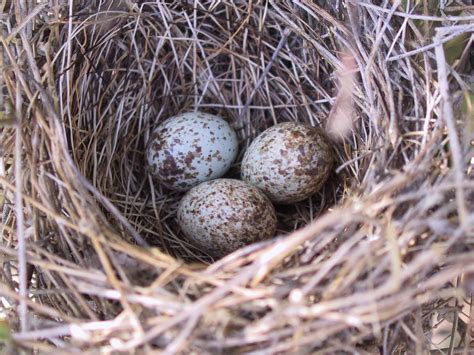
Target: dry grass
92	257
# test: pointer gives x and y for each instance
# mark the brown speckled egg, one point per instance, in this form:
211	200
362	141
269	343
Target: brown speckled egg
223	215
289	162
191	148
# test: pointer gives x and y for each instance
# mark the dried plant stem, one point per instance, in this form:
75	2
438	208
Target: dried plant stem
20	226
448	117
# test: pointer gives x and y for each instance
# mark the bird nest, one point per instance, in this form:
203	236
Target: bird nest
92	256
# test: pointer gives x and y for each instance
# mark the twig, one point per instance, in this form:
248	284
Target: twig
448	116
27	20
262	77
438	42
414	16
20	220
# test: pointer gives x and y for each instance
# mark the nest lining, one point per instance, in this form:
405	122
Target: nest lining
227	65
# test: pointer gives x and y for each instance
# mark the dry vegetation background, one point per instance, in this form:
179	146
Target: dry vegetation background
380	261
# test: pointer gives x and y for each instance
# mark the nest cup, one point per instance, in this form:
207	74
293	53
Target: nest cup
365	263
242	63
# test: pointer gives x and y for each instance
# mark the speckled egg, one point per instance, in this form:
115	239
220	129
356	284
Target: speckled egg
289	162
191	148
223	215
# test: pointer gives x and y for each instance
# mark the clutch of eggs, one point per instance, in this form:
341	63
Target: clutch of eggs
222	215
288	161
191	148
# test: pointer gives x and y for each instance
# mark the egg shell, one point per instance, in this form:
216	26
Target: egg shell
191	148
223	215
288	161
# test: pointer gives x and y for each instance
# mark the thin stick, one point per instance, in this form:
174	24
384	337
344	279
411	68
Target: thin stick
20	218
448	116
282	42
414	16
26	21
438	42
